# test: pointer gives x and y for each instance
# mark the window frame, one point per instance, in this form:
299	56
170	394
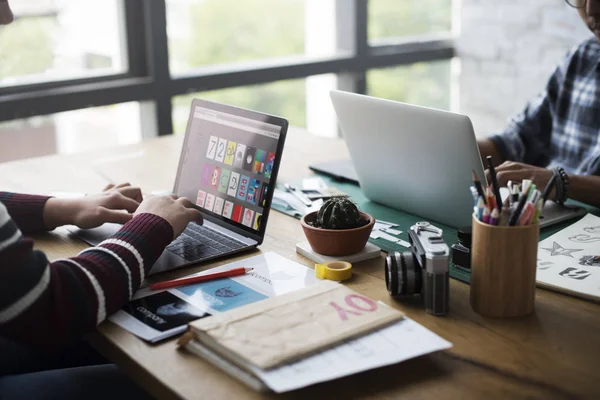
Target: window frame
149	79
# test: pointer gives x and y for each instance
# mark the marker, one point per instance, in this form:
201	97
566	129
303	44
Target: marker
494	217
495	185
200	278
527	214
478	186
526	184
486	215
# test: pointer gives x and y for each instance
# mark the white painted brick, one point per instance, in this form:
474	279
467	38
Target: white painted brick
508	49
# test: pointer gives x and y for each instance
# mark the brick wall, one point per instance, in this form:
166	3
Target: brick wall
508	49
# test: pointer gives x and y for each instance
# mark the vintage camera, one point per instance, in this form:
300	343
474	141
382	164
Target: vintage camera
423	270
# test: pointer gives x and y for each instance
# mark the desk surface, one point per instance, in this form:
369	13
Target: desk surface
554	353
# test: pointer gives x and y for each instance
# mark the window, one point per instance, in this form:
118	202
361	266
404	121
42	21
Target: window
152	56
283	98
397	18
71	131
212	32
225	31
57	40
424	84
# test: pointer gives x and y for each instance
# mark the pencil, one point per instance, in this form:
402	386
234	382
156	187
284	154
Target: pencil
200	278
478	186
495	185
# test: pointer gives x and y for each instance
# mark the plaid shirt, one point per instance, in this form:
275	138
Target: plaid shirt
561	127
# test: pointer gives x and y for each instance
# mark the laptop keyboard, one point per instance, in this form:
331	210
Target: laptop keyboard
197	243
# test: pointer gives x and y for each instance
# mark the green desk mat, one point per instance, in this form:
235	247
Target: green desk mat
405	221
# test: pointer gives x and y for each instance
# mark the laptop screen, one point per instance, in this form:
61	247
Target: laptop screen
229	163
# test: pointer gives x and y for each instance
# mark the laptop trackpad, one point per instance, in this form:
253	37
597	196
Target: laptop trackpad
95	236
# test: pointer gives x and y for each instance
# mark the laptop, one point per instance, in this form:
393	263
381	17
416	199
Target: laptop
228	166
418	159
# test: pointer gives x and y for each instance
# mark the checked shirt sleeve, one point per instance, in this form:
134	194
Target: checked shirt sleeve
527	138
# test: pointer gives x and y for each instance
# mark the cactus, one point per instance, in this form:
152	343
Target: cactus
338	213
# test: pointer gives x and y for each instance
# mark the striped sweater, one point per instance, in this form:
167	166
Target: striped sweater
49	305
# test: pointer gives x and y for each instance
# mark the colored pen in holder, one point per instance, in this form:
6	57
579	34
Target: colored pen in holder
503	268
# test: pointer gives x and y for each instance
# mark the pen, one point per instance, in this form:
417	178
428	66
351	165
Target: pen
514	217
301	196
200	278
495	185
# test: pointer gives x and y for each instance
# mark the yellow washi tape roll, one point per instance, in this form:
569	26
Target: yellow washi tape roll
334	270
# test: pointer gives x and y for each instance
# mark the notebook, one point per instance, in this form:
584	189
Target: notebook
282	329
569	260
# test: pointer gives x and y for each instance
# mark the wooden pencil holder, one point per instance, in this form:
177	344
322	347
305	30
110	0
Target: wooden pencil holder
503	267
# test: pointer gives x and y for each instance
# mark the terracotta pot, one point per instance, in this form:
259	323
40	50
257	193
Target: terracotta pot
337	242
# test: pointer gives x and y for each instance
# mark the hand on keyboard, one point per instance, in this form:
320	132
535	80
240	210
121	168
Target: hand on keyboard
178	212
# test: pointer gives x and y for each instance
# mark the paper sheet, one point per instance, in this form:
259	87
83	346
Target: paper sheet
399	342
569	260
151	312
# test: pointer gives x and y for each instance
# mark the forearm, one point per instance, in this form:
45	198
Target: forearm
49	305
27	211
585	189
487	147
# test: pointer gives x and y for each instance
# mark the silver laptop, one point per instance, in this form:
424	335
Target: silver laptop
418	159
228	166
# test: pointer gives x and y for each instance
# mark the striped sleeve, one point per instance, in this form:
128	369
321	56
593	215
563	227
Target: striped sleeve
50	305
26	210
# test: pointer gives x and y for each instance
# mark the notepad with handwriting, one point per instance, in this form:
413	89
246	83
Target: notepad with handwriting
271	332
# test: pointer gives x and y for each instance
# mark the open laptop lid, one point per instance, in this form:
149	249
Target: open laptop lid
229	164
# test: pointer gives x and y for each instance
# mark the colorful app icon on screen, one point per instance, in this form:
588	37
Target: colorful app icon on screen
214	180
248	217
262	200
210	202
201	198
259	162
227	209
249	158
237	213
230	154
221	150
224	180
207	172
253	191
233	184
243	187
269	165
240	151
257	219
211	150
218	208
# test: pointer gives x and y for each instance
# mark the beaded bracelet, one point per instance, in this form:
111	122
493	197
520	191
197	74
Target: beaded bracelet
562	185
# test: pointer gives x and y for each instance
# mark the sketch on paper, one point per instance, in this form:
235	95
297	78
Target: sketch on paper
558	250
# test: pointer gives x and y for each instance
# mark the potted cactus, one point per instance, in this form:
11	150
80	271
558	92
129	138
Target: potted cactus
338	228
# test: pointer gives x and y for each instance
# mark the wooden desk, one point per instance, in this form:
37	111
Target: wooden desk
554	353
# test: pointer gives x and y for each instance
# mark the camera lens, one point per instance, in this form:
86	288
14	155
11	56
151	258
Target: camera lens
403	274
